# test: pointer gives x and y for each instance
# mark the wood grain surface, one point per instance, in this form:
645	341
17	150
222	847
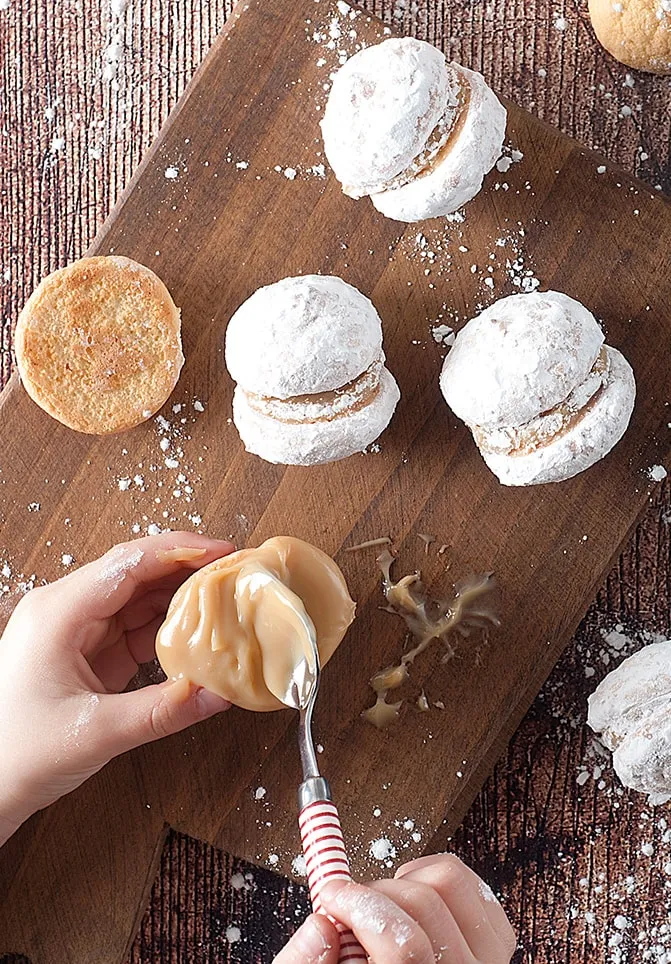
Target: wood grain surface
529	832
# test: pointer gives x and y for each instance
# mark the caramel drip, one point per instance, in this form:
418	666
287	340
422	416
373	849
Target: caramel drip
469	609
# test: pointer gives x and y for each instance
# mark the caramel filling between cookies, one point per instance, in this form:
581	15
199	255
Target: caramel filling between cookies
322	406
550	425
440	141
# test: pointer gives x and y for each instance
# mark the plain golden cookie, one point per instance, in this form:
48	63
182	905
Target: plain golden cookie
98	344
635	32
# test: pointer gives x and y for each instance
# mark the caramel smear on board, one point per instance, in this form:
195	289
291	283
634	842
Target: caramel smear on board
384	541
470	608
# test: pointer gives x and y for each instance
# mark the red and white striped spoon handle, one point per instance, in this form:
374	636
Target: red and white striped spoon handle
326	859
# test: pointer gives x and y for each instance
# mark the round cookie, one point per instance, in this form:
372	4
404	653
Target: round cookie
635	32
631	710
456	174
98	344
384	103
415	133
543	396
519	357
307	357
312	333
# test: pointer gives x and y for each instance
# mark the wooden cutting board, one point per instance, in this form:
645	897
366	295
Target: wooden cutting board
232	196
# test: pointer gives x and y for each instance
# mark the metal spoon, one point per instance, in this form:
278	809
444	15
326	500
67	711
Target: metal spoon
318	820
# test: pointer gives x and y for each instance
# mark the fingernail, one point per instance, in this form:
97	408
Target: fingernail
208	703
315	937
331	890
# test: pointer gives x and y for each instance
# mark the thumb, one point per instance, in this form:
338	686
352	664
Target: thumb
130	719
315	942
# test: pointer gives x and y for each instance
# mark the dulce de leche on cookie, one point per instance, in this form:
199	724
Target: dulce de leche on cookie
236	626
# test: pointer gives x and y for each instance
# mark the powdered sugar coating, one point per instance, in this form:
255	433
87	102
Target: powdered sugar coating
320	441
584	442
302	335
457	175
519	357
506	439
384	103
631	709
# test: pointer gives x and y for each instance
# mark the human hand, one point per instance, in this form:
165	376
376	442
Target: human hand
68	651
435	909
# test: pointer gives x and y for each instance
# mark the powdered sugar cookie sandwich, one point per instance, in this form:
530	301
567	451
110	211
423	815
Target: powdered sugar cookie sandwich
415	133
543	395
98	344
307	357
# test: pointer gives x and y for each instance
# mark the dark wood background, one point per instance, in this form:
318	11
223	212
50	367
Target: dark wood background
583	867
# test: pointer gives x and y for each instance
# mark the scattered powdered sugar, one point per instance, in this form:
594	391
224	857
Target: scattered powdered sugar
233	934
67	559
84	716
260	793
502	263
382	849
241	881
443	335
487	893
171	173
117	564
298	867
15	583
657	473
405	12
369	911
162	489
509	156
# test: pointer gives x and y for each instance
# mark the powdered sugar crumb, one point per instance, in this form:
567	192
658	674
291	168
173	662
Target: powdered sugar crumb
382	849
657	473
487	893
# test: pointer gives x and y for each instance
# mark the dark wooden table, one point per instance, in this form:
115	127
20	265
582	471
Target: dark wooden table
583	867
